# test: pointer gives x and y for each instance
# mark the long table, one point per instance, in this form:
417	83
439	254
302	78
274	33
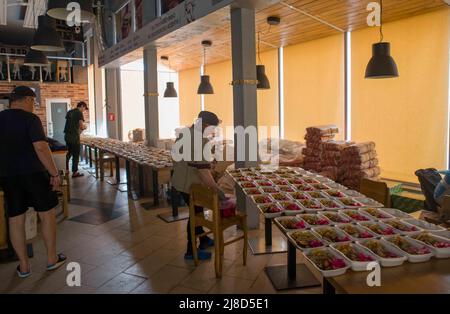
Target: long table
160	171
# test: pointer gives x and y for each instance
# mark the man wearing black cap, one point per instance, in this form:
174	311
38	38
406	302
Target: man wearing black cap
189	172
72	130
28	177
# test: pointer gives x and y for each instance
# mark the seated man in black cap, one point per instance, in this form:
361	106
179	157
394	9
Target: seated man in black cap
196	170
73	129
28	177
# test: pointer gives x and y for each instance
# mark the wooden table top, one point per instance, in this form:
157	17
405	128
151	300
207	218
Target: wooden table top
431	277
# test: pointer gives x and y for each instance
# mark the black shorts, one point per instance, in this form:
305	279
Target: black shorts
33	190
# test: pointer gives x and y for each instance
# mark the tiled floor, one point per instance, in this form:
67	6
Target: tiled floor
136	253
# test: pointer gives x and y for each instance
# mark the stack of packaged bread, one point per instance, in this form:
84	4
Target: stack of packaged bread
315	137
359	161
331	159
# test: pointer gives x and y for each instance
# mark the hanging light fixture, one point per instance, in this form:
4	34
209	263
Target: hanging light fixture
170	91
46	37
34	57
205	87
58	9
263	80
381	65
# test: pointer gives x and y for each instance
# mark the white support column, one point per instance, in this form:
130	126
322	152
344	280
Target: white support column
244	92
151	96
113	102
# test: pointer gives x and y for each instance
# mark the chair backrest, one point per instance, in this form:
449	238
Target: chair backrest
204	196
444	210
376	190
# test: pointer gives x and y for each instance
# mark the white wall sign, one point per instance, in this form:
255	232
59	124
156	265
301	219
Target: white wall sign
183	14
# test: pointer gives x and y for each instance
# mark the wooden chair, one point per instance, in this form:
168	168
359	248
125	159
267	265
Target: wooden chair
207	198
376	190
64	193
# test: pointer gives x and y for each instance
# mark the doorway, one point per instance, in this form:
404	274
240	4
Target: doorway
56	118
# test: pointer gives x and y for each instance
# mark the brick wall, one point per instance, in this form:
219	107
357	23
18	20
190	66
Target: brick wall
75	92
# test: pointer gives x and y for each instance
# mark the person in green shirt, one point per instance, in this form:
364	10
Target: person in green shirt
72	130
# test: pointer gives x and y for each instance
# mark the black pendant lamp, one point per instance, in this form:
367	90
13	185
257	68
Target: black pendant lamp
46	37
58	9
381	65
170	91
205	87
263	80
35	58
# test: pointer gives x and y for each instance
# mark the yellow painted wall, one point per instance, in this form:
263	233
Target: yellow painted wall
314	86
268	102
407	117
221	102
190	102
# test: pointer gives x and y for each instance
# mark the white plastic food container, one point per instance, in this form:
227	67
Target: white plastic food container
324	201
337	186
290	212
342	201
312	210
385	215
382	225
368	202
413	258
353	193
279	220
360	229
406	224
293	241
387	262
261	207
356	265
422	224
342	217
316	215
339	232
330	273
439	252
345	211
396	213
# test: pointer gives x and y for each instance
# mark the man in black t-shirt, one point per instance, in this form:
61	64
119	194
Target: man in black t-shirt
28	177
72	130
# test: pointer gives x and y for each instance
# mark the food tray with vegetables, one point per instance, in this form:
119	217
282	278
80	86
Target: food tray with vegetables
262	199
291	208
388	255
279	182
269	190
310	180
328	262
353	193
335	193
271	210
416	251
311	206
299	196
397	213
330	204
349	202
336	218
316	194
303	187
253	191
358	256
331	234
280	197
379	228
377	213
440	245
263	183
402	227
315	220
357	232
291	223
426	226
320	186
247	185
356	215
296	181
305	240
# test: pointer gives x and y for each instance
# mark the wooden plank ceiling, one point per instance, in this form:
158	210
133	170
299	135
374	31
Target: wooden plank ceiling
184	49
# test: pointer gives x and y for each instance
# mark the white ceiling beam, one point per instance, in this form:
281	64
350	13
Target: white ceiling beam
34	9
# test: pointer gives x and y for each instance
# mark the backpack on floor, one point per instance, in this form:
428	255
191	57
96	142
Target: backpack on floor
429	179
